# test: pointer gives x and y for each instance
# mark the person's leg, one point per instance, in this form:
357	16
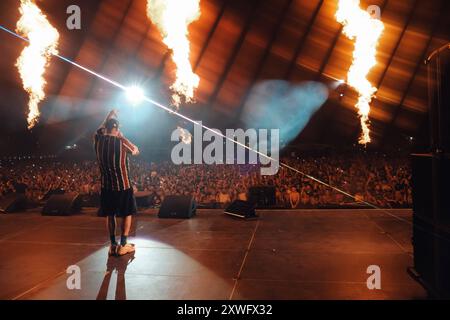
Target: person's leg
126	227
107	210
125	247
111	225
128	206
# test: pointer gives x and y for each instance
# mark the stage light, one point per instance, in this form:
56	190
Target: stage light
135	95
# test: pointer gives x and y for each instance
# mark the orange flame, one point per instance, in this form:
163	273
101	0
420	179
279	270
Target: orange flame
32	63
366	31
172	17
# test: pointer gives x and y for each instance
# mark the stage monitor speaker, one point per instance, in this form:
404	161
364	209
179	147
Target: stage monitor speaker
178	207
241	209
62	205
13	202
262	197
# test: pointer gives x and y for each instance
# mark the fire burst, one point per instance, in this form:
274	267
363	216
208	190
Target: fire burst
32	63
366	31
172	17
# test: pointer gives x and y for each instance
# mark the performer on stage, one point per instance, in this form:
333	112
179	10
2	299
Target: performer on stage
117	197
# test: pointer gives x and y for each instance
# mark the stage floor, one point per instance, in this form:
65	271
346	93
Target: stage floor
302	254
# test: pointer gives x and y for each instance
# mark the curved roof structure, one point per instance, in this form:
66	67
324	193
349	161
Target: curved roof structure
235	44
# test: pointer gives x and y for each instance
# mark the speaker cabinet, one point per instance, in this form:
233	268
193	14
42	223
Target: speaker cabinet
177	207
432	256
13	202
62	205
431	222
241	209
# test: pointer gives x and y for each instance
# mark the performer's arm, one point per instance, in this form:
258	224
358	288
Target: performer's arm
111	114
130	147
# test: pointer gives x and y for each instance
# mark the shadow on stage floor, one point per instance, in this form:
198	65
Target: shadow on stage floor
301	254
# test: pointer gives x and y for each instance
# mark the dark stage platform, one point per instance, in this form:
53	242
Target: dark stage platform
303	254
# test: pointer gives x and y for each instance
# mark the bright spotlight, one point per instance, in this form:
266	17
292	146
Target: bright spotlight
135	94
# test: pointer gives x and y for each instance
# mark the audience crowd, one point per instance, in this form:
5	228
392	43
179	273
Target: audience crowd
376	179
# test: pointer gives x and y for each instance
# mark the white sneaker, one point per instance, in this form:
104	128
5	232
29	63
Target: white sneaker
126	249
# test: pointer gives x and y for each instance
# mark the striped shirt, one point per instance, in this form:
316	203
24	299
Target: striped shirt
112	157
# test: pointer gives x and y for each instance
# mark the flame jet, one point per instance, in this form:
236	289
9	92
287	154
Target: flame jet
366	31
172	17
34	60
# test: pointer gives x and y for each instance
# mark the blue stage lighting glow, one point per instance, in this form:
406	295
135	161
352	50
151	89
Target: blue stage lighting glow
135	95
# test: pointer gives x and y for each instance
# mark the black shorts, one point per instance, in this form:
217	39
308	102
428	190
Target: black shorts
117	203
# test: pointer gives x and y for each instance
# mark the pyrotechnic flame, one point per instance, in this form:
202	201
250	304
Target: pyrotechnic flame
185	136
32	63
172	17
366	31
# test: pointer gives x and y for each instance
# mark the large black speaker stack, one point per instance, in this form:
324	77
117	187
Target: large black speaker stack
431	185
